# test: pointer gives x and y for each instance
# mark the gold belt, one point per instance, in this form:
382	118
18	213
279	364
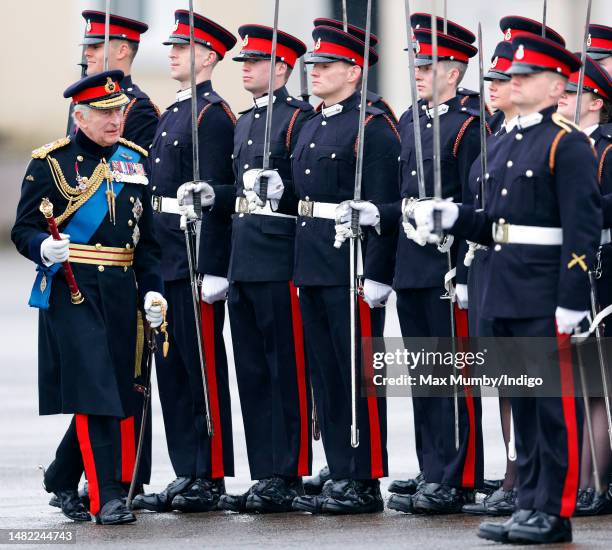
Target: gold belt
101	255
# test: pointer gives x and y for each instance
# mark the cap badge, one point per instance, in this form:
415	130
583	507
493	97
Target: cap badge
88	27
110	86
494	64
245	40
318	44
508	35
520	52
589	41
176	25
417	47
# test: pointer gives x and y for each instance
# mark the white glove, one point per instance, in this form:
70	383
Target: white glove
184	195
568	319
407	213
251	181
368	216
424	217
375	294
154	306
55	252
214	288
461	293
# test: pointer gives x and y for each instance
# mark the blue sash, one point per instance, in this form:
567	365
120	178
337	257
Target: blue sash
84	223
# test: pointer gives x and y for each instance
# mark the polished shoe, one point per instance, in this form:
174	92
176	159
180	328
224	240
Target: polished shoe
202	496
498	503
353	496
499	531
237	503
590	504
314	485
437	498
313	503
541	528
491	485
276	496
401	503
162	502
115	512
407	486
71	505
55	501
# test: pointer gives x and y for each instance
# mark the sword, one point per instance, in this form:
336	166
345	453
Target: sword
263	180
83	65
445	26
344	16
483	121
304	81
512	439
355	277
583	54
192	228
544	10
106	34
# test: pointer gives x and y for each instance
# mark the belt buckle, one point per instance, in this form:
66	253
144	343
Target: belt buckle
243	205
156	203
500	234
306	209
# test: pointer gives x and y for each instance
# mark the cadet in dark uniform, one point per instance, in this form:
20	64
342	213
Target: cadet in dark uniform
323	173
140	118
199	461
594	122
263	304
541	247
599	45
98	187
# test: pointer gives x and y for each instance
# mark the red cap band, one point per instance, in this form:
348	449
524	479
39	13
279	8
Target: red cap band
182	30
541	60
265	46
443	51
97	92
330	48
588	83
602	43
98	29
511	34
500	65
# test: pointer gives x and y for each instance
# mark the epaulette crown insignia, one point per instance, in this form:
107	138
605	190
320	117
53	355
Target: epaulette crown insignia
43	151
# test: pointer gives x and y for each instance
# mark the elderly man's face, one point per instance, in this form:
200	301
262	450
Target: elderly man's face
102	126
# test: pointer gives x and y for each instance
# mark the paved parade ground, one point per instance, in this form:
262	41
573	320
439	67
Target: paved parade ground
27	440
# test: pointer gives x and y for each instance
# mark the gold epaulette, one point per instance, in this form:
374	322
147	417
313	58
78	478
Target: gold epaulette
134	146
43	151
564	123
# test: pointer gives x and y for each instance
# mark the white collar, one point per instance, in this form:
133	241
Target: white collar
588	131
332	110
509	125
262	101
442	110
527	121
183	95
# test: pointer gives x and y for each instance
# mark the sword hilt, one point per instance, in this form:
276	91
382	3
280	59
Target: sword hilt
197	204
263	188
437	221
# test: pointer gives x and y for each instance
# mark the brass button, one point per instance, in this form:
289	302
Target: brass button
98	246
128	246
130	223
125	268
132	199
100	268
80	158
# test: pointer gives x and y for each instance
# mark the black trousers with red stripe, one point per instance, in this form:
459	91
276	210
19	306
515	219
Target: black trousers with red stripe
192	452
548	430
423	314
273	382
326	318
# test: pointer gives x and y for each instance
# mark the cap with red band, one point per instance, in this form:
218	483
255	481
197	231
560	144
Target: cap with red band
120	27
205	32
514	26
420	21
332	44
599	42
99	91
449	48
534	54
357	32
500	62
596	80
257	44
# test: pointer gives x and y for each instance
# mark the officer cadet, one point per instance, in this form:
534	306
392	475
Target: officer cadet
594	122
324	163
264	311
141	114
98	188
541	247
199	461
599	45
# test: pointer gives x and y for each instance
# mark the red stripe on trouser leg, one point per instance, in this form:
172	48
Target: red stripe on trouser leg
570	485
468	476
82	429
208	343
128	448
376	459
300	367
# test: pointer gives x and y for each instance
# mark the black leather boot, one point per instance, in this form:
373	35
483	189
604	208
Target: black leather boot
491	485
589	503
437	498
202	496
115	512
237	503
162	502
407	486
498	503
401	503
71	505
499	531
314	485
276	496
354	496
313	503
541	528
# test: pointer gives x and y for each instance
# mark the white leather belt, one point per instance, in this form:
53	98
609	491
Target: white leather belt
242	207
166	205
311	209
605	237
527	234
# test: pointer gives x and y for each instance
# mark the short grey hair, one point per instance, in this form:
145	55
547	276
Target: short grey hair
83	109
460	66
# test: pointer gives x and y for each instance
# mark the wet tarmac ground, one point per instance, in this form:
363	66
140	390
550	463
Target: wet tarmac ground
27	440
